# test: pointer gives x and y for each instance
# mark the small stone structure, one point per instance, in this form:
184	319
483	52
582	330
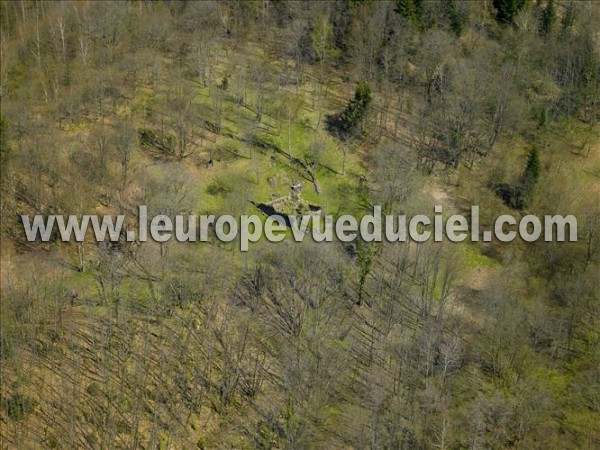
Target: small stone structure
290	205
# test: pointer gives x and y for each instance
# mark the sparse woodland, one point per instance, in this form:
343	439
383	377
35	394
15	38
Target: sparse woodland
206	107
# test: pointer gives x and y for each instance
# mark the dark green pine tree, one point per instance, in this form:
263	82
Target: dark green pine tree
357	107
411	10
457	21
506	10
548	18
531	174
568	19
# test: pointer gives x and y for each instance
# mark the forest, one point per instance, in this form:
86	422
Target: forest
215	107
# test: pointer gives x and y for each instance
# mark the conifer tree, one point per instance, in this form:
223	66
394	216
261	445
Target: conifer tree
531	173
506	10
411	10
548	18
357	107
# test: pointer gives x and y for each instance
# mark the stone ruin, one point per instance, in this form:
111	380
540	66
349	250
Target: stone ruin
289	205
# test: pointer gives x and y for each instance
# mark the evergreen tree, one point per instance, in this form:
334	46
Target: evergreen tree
457	21
506	10
531	173
411	10
568	19
548	18
357	107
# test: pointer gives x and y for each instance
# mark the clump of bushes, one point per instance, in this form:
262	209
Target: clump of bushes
219	187
163	143
18	406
